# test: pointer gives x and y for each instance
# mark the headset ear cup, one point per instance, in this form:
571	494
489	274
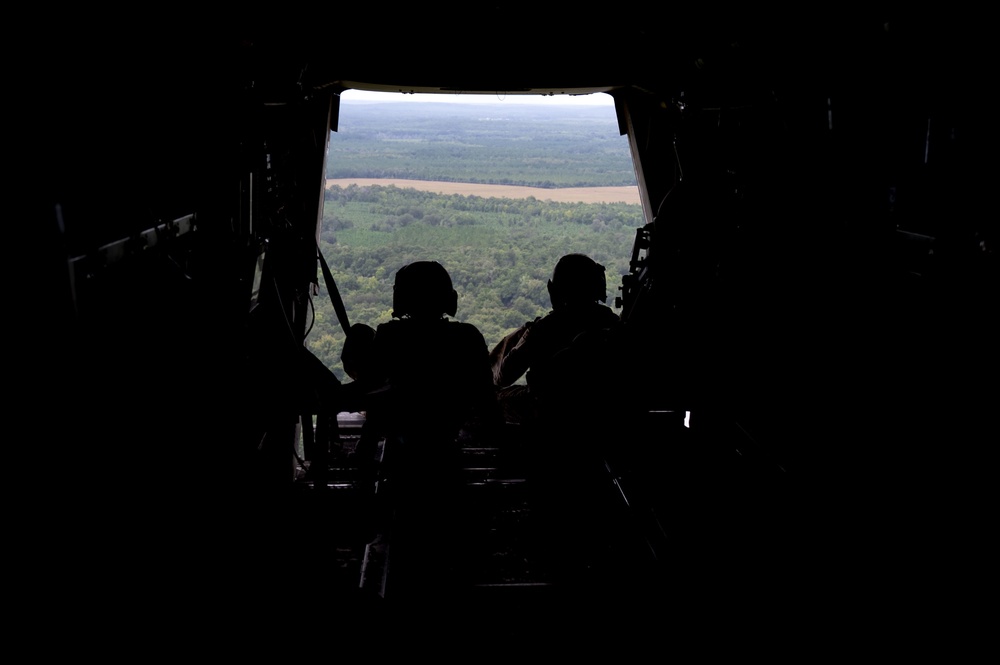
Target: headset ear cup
399	296
397	303
451	307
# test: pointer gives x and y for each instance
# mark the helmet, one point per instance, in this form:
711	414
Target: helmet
577	278
423	288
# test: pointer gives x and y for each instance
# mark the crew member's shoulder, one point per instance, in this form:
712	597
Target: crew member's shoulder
395	326
609	315
464	328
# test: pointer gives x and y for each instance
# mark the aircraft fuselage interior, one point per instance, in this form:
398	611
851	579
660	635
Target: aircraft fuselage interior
813	287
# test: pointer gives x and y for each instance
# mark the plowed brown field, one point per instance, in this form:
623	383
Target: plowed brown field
565	195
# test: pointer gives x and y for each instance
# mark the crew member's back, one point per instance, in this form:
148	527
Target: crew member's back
434	370
436	389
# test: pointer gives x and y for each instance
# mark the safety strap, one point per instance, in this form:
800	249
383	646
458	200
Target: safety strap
317	443
331	287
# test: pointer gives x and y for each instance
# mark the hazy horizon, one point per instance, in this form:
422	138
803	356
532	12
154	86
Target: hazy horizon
592	99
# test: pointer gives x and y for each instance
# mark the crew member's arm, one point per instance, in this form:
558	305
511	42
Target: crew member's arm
511	357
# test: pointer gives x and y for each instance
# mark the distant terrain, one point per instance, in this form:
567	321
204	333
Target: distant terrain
502	144
561	195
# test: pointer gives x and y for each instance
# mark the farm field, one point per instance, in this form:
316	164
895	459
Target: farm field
562	195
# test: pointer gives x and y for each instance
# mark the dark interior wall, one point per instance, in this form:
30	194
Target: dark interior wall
829	253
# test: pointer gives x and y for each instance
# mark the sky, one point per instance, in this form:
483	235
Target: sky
595	99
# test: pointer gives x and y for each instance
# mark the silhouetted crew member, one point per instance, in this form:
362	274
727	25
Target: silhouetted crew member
436	388
577	289
434	370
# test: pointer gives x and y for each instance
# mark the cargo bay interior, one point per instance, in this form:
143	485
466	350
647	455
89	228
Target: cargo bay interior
815	283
